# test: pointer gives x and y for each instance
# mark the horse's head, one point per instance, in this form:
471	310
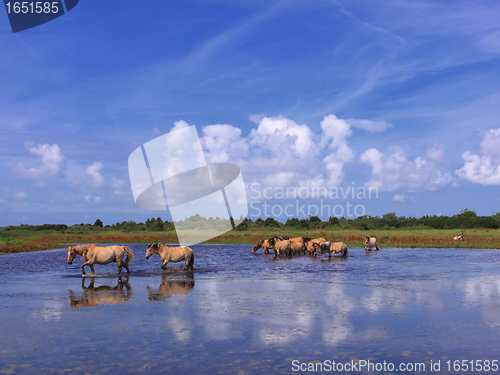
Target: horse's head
257	247
272	241
71	254
367	238
316	246
324	247
152	248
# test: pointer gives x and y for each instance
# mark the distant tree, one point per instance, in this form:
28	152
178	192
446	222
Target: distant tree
314	219
333	220
98	224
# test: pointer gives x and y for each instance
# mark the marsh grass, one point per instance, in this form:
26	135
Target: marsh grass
20	241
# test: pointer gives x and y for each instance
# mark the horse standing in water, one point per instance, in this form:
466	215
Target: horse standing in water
171	254
93	254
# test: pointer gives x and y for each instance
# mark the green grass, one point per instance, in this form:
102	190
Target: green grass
21	240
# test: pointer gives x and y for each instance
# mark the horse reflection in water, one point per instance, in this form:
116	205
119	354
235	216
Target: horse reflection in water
101	295
171	287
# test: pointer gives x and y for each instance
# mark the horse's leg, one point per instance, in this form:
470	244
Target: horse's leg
88	263
164	265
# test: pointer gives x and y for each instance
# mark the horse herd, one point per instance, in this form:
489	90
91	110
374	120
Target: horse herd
307	245
94	254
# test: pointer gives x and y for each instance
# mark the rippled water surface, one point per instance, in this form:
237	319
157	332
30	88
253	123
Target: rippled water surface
249	314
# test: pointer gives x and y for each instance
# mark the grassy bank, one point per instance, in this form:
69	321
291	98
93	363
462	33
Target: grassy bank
14	241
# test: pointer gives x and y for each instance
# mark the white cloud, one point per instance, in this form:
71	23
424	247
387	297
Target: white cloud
94	173
392	171
399	198
370	126
335	134
51	163
223	142
280	152
179	125
485	169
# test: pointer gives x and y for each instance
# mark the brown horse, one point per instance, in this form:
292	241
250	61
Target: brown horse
264	244
93	254
311	245
280	246
332	247
171	254
101	295
299	244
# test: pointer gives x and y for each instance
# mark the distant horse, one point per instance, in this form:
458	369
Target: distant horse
171	254
104	294
93	254
170	287
370	242
332	247
264	244
459	237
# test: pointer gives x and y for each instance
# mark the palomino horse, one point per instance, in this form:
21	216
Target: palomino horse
264	244
280	246
93	254
459	237
299	244
171	254
101	295
332	247
370	242
171	287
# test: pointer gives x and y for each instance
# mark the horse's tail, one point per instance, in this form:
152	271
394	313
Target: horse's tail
191	261
130	255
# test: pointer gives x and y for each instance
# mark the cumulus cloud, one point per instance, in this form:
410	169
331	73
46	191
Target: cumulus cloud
51	163
485	169
179	125
94	173
370	126
392	171
280	152
335	134
224	142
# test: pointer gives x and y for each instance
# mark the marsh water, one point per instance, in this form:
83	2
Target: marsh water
249	314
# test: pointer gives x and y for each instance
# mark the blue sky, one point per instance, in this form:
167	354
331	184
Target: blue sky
399	95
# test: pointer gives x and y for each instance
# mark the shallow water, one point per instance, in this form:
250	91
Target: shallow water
249	314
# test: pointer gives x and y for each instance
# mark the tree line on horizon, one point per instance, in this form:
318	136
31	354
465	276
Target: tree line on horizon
465	219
